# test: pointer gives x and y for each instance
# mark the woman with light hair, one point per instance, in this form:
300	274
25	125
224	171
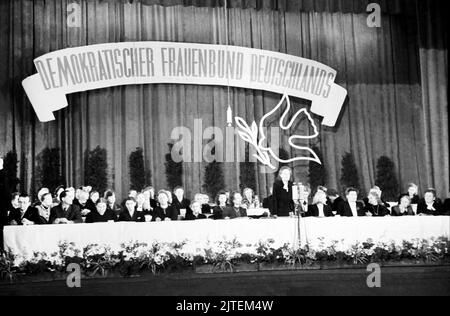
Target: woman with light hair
164	211
319	208
250	199
196	209
375	206
404	207
413	193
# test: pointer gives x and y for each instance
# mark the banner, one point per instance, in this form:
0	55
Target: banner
114	64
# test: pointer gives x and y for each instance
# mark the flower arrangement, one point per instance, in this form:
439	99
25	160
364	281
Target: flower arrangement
224	255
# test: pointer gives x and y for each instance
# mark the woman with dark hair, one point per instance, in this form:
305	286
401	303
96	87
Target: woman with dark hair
282	193
404	207
110	198
91	204
130	214
375	206
56	194
221	205
430	205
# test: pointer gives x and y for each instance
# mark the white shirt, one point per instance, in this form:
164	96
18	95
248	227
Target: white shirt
353	208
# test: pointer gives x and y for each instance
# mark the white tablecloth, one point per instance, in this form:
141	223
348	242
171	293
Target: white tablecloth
25	240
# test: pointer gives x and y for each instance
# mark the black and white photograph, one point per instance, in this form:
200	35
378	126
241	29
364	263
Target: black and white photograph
226	155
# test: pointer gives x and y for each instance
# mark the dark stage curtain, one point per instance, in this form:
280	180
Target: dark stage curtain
395	76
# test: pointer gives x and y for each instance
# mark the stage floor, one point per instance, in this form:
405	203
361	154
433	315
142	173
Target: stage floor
434	281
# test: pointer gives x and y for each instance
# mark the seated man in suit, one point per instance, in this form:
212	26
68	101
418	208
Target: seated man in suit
352	207
196	208
131	214
430	205
25	214
66	212
12	209
335	201
319	208
236	210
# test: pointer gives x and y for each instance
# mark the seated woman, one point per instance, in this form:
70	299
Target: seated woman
221	201
236	210
180	202
94	196
250	199
404	207
413	193
375	206
130	214
101	214
203	199
320	208
44	208
110	197
430	205
196	208
164	211
150	202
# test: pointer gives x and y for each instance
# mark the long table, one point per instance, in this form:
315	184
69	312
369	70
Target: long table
25	240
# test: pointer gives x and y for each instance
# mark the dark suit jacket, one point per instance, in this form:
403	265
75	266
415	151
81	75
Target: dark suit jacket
336	205
422	209
396	211
95	217
206	209
415	200
169	212
191	217
313	211
126	217
377	210
185	204
218	212
446	207
268	203
283	203
31	214
116	208
73	214
346	211
232	212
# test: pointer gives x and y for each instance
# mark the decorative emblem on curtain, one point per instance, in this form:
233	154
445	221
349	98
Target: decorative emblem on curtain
263	152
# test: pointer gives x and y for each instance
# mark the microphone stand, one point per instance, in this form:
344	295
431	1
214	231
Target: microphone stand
297	195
